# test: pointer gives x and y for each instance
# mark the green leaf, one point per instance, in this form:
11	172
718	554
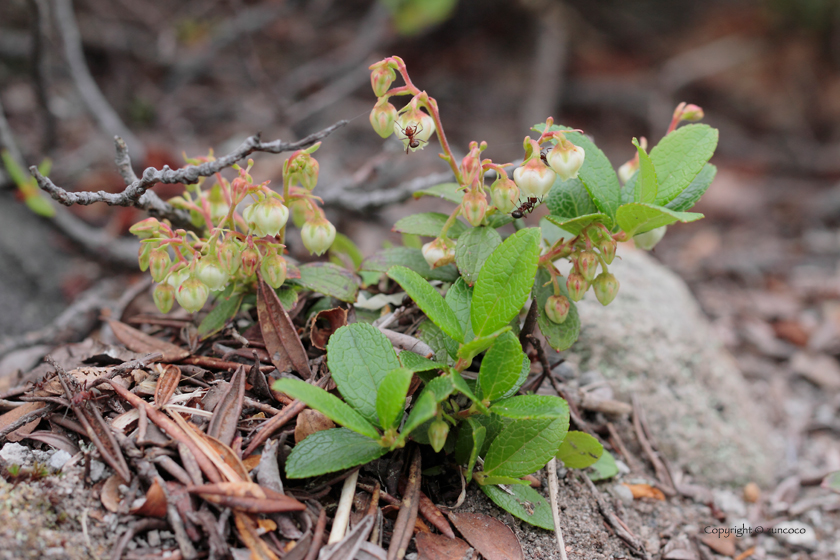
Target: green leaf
409	258
17	174
416	362
429	224
576	225
680	156
647	184
560	336
497	220
525	446
580	450
523	502
465	390
832	482
484	479
504	282
412	240
215	321
569	199
476	346
596	173
331	450
39	205
500	368
359	357
390	399
412	17
532	407
424	409
329	405
472	250
639	217
523	376
328	279
344	245
603	468
459	299
447	191
470	439
287	296
429	300
437	340
689	197
440	388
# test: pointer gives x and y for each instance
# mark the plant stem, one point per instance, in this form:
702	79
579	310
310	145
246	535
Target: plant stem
450	221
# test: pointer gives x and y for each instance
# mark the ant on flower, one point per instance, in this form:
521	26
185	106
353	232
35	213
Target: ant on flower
410	132
526	207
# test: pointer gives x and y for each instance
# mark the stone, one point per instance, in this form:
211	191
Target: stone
654	341
16	454
58	460
97	471
796	533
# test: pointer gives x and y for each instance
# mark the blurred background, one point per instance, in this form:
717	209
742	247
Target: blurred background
177	78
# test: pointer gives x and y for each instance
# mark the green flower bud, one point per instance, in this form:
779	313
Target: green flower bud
192	294
557	309
439	252
317	235
474	206
159	262
382	118
145	229
577	286
270	216
438	432
164	296
250	260
587	264
229	256
210	272
273	270
605	287
607	249
304	170
505	195
144	255
381	78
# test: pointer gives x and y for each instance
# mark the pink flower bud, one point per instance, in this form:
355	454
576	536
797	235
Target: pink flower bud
159	262
505	194
414	128
146	228
273	270
210	272
192	294
229	256
586	264
566	159
577	286
164	296
692	113
474	206
471	166
381	78
605	287
144	254
439	252
607	248
557	309
250	260
317	235
304	170
534	179
649	239
270	216
382	118
438	432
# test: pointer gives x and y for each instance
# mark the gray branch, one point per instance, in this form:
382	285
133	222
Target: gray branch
135	194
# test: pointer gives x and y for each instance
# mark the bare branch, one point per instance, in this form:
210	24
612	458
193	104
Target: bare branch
135	194
96	103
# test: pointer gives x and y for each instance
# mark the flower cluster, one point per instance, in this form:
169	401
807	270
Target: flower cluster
226	249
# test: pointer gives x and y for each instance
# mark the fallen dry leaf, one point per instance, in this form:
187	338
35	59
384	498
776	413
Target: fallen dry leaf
139	341
170	377
490	537
247	497
57	441
279	334
110	493
251	462
645	491
820	369
431	546
324	324
792	331
154	504
719	543
247	530
310	421
223	424
9	418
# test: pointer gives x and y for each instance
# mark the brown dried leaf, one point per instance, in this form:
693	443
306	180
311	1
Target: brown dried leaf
57	441
310	421
404	526
230	458
167	382
325	324
719	543
247	497
646	491
110	493
279	334
251	462
490	537
202	446
15	414
259	384
247	530
226	414
154	504
431	546
102	436
139	341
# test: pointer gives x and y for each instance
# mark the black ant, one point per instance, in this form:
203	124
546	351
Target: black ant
544	155
410	132
526	207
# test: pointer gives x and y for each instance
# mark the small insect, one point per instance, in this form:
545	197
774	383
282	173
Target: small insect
544	155
411	131
526	207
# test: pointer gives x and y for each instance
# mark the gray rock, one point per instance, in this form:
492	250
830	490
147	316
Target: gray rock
653	341
16	454
97	471
796	533
58	460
